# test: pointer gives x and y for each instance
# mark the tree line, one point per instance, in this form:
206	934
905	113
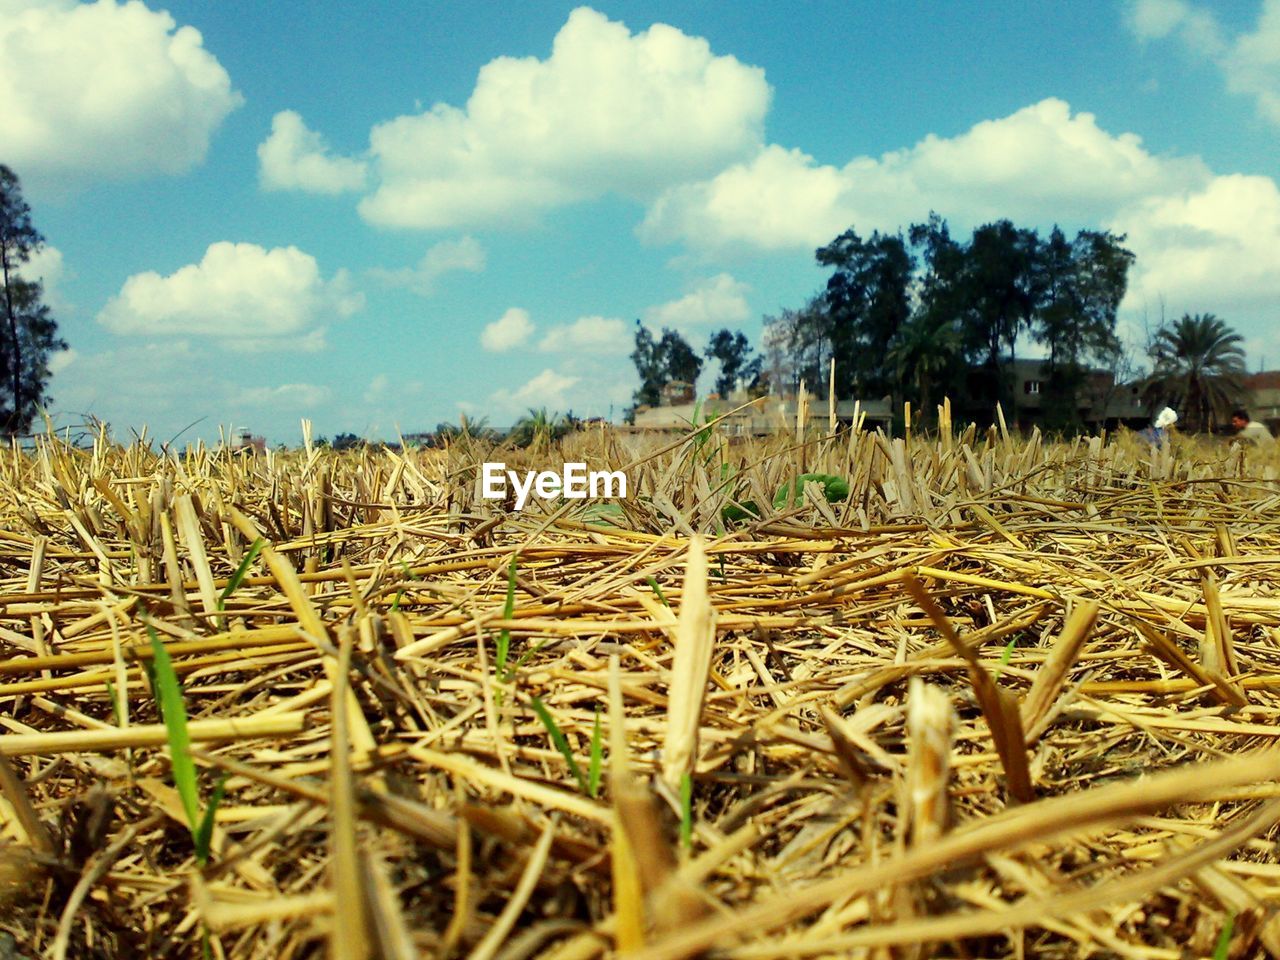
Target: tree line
922	313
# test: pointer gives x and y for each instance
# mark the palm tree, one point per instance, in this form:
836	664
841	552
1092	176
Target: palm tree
1198	369
923	353
538	429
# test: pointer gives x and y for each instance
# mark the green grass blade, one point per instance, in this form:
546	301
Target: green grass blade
204	833
1222	949
686	811
561	744
1006	656
657	591
241	572
115	703
597	759
524	657
173	710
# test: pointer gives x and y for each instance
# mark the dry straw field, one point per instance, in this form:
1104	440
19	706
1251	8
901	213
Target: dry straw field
978	696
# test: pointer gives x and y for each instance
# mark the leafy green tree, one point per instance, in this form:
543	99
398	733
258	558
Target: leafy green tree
658	362
733	350
681	361
650	367
29	334
1198	369
1000	289
867	301
926	359
931	314
1082	284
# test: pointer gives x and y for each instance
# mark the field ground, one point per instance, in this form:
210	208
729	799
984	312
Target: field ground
1005	698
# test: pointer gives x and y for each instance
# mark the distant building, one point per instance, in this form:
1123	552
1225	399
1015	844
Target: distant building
676	392
1101	403
1263	398
248	441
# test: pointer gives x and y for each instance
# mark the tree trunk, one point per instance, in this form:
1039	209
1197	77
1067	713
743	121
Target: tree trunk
15	346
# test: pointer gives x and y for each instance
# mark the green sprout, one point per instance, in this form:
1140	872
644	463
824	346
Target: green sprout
241	572
560	743
173	712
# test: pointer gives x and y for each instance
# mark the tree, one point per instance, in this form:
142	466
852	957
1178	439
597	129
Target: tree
925	352
347	441
797	347
650	367
658	362
733	350
930	314
867	302
1081	285
537	429
29	333
1198	369
680	360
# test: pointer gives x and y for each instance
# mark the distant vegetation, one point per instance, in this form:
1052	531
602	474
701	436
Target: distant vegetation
28	332
919	314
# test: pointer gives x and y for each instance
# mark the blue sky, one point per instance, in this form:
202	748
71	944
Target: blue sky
383	217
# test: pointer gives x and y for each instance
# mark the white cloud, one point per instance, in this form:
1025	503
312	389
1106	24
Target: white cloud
46	267
247	296
1040	163
1158	19
447	256
173	382
511	330
294	157
1253	64
290	396
608	110
105	91
1212	250
62	359
1249	61
588	335
720	300
548	389
170	387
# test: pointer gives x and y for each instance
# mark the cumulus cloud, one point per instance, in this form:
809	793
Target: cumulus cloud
513	329
1042	162
1249	60
548	389
447	256
719	300
608	110
295	157
105	91
588	335
241	293
1215	249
